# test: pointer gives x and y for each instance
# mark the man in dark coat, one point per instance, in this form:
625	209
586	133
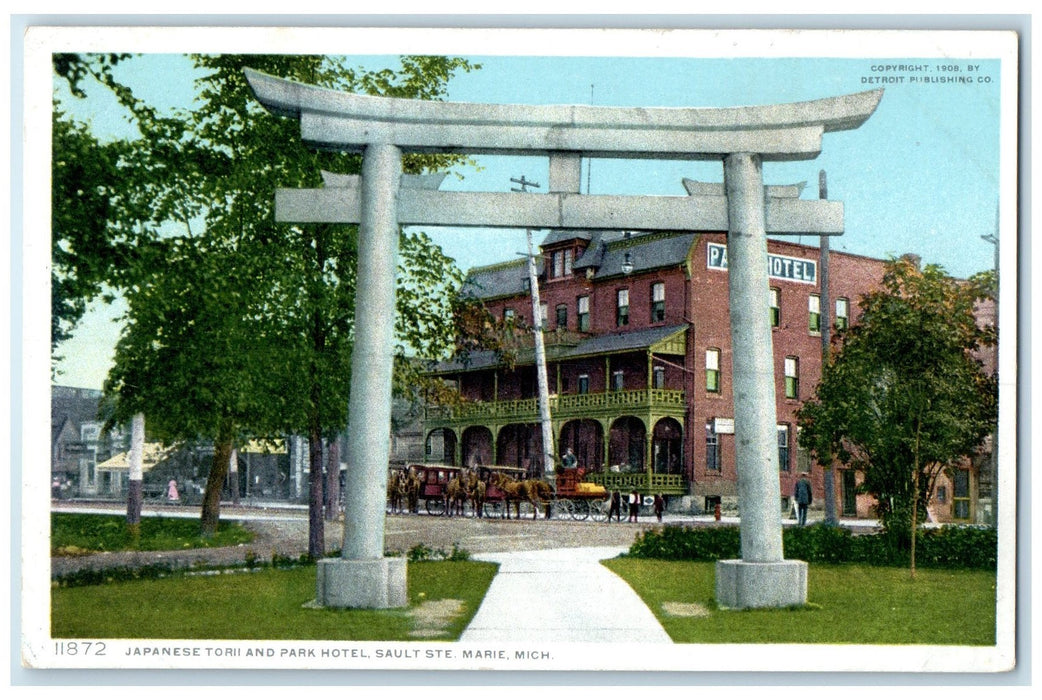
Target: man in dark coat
803	497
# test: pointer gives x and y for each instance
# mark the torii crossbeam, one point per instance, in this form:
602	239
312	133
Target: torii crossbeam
382	200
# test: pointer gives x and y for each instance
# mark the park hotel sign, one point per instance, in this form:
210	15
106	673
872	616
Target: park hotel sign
779	266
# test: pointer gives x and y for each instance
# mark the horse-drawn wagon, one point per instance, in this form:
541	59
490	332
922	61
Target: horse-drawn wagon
579	499
443	489
493	491
567	497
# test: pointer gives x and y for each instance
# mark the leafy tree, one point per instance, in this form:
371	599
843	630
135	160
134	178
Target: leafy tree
275	302
904	395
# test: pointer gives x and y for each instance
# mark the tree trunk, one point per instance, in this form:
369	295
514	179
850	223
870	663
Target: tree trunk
135	488
215	485
915	497
333	479
830	496
316	523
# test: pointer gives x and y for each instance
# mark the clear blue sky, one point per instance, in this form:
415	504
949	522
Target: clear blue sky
921	175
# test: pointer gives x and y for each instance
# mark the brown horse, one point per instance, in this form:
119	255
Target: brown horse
514	492
394	490
455	496
411	488
539	492
475	489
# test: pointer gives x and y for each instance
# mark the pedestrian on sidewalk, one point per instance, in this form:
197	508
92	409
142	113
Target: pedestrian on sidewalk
634	506
660	505
615	507
803	497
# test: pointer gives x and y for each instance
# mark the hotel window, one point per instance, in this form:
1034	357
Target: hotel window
618	381
842	313
584	384
783	448
658	378
792	377
961	494
713	370
562	263
562	316
658	302
775	307
814	313
583	313
622	307
712	448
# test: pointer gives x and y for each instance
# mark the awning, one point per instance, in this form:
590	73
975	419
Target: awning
154	453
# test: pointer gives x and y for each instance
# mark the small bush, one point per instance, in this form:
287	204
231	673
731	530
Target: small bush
951	546
421	552
675	543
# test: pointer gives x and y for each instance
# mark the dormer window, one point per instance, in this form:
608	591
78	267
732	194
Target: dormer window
561	263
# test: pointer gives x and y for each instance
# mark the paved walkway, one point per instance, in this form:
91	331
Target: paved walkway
561	595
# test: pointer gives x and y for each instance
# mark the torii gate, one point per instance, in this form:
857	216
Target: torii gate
382	200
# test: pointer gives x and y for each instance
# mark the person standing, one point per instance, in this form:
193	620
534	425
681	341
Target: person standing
804	498
615	507
660	505
634	502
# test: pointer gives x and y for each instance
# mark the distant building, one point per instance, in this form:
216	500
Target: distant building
79	444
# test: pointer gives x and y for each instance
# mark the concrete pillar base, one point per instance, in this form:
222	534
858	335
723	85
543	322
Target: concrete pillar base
369	583
741	584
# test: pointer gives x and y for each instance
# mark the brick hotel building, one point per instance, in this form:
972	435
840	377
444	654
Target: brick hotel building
638	354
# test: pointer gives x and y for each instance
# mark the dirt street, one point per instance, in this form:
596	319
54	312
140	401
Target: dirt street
285	532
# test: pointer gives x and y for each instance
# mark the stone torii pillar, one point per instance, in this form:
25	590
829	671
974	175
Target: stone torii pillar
382	200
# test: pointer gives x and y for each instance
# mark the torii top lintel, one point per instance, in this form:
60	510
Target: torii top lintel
346	121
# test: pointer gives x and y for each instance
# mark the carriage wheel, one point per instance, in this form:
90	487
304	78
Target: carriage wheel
468	509
563	509
435	506
493	509
581	510
599	510
526	511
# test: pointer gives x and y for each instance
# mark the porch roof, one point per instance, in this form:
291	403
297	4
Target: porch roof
666	340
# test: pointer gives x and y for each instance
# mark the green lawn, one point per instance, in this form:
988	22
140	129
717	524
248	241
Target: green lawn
269	604
81	533
847	604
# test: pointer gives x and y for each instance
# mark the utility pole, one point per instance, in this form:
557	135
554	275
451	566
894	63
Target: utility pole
826	339
540	350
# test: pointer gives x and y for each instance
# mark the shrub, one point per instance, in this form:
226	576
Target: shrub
951	546
421	552
690	544
958	547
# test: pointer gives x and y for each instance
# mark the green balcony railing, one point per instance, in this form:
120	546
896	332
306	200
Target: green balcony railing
566	406
641	482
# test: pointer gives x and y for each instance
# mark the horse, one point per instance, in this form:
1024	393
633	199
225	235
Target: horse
455	496
394	491
475	489
514	491
539	492
411	488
